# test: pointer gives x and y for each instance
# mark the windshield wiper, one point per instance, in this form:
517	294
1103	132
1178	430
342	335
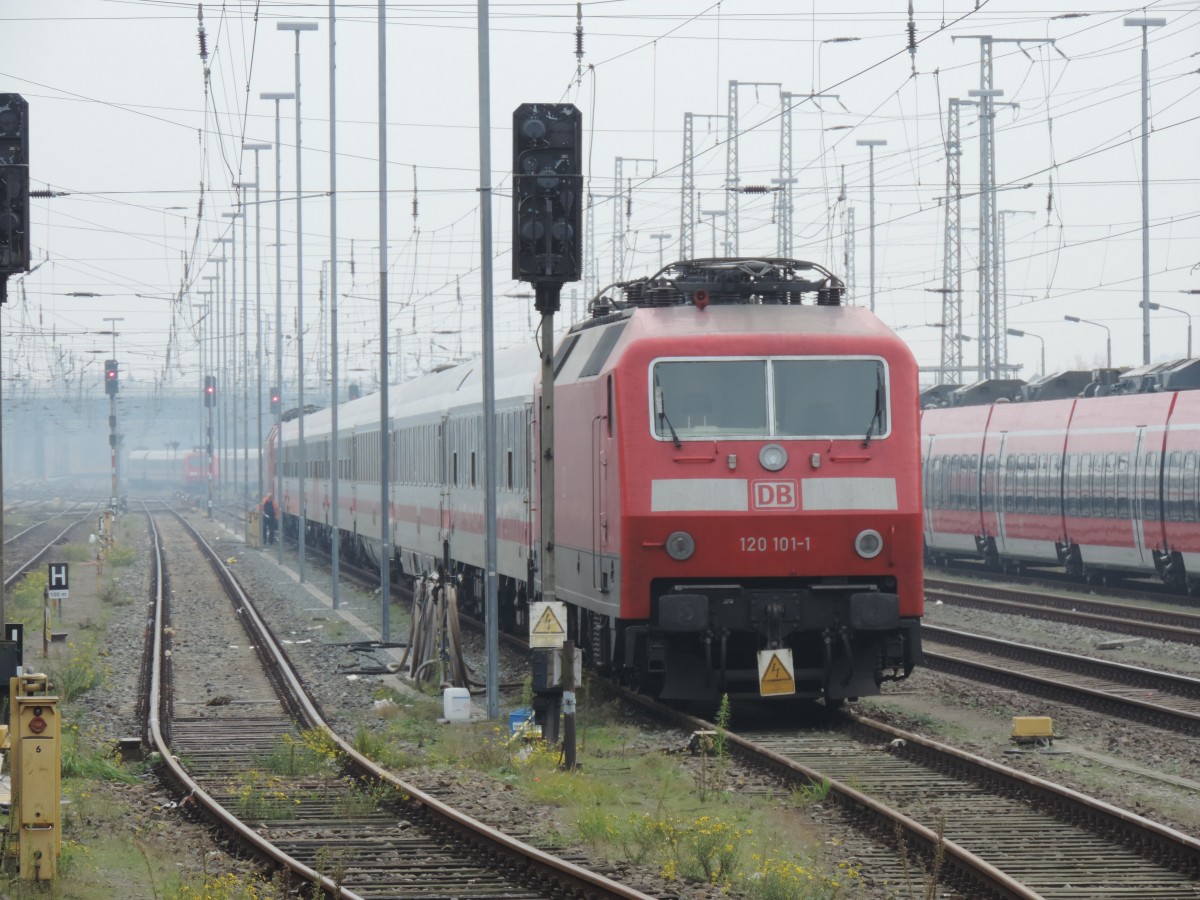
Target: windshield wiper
876	419
660	409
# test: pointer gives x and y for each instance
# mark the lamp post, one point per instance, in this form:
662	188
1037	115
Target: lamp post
298	27
258	341
243	185
1184	312
277	96
223	336
335	550
231	343
1145	24
714	213
206	369
112	419
1017	332
872	143
1107	332
660	238
200	346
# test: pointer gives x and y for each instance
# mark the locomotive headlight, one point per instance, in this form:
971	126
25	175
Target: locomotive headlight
772	457
868	544
680	545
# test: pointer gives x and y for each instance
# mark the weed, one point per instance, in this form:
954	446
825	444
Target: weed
78	675
77	763
811	793
259	797
120	557
331	863
229	886
362	801
311	753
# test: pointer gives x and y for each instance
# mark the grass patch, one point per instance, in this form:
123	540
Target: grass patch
310	753
77	674
259	797
642	806
119	557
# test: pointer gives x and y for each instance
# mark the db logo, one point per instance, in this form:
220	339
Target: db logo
774	495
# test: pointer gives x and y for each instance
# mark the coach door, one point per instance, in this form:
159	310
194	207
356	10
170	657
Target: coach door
449	446
1133	487
1003	485
601	446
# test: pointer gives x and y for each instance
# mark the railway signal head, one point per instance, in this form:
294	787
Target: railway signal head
276	404
14	184
210	390
547	192
110	377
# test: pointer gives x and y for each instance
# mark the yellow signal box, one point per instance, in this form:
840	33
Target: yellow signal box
35	732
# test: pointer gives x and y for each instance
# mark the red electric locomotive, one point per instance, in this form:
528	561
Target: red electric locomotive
737	484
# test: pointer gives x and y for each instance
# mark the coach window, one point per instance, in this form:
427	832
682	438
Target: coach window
1075	484
1110	485
989	482
1173	485
1149	485
1188	506
973	483
956	481
1085	485
1123	486
1054	503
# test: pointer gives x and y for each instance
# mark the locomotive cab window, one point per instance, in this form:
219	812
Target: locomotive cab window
755	398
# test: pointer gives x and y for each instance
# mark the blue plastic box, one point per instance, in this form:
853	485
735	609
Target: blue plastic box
520	720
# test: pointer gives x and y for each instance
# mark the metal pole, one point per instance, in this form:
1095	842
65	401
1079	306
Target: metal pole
244	365
277	96
302	462
335	549
1145	24
385	542
491	602
231	351
1145	199
871	144
258	341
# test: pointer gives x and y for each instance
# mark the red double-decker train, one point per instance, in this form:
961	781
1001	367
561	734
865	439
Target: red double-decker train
737	483
1103	486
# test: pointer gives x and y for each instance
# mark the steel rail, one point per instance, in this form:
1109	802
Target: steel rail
570	875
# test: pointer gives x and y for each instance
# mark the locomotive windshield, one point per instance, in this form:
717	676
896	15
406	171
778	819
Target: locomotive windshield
754	398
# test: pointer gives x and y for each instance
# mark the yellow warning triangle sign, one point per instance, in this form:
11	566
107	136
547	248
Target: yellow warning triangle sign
548	623
776	679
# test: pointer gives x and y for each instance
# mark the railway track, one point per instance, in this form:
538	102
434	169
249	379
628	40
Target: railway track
1144	695
389	840
1132	617
997	832
1003	833
25	550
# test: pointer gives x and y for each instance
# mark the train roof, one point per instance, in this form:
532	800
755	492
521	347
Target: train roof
516	368
751	319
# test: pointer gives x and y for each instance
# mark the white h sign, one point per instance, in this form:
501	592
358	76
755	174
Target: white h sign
57	581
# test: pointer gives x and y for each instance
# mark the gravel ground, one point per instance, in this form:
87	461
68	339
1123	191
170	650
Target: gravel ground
1122	763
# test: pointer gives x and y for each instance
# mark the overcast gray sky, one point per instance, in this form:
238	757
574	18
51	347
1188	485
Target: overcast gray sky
126	124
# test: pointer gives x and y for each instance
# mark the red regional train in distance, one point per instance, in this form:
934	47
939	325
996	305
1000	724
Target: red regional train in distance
737	484
1102	486
177	470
